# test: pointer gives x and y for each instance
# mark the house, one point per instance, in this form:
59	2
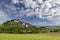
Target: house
23	23
26	25
16	20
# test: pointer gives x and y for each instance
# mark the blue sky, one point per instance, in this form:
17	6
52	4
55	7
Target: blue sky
36	12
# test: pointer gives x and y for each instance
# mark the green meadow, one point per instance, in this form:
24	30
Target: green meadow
29	37
18	31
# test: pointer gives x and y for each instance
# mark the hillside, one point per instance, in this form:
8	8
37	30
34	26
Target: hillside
1	25
16	26
17	22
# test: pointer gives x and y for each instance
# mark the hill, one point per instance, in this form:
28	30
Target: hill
0	25
16	22
16	26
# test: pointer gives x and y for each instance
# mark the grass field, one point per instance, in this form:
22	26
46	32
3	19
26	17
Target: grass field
50	36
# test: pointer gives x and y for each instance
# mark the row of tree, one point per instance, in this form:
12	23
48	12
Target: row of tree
18	28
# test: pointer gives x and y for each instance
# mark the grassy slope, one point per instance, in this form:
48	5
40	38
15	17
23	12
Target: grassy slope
0	25
27	37
50	36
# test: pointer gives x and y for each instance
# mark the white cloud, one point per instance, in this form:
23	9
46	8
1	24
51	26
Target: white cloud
3	17
56	1
30	3
2	14
15	1
48	0
46	10
39	1
27	3
48	5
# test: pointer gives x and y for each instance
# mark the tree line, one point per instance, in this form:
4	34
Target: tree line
17	27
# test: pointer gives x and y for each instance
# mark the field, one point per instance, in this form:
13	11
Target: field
48	36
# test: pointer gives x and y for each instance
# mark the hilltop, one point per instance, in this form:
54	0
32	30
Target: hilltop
17	22
15	26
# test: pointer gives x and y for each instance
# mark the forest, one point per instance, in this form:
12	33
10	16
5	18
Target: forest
15	26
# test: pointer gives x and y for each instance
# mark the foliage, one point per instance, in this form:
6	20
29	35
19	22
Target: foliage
18	27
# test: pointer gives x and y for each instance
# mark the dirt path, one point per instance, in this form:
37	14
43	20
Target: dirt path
51	34
48	34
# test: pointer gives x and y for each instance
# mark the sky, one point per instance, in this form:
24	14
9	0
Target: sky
36	12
